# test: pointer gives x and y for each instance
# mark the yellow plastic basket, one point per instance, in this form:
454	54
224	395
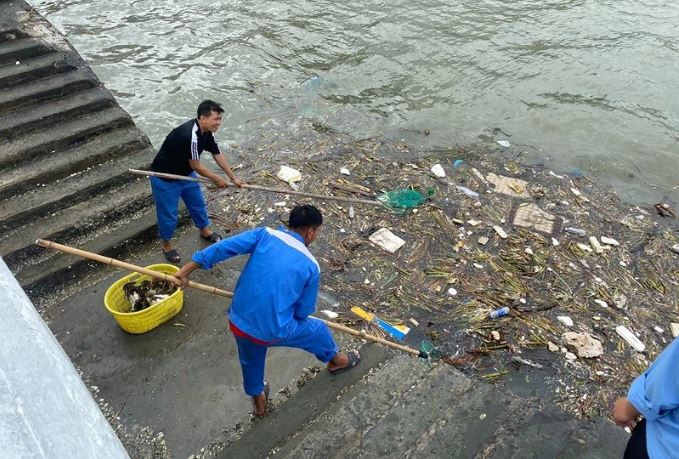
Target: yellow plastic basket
149	318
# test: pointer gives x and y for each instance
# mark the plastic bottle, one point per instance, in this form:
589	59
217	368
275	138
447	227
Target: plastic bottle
499	313
467	191
351	212
576	231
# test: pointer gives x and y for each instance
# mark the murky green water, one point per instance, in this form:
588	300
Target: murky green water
574	83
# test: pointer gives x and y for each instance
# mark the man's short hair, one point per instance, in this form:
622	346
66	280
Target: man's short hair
305	215
208	106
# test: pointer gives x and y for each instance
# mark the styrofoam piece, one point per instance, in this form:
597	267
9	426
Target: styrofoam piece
330	314
289	175
345	171
584	247
438	171
567	321
500	231
601	303
609	241
386	240
631	338
594	242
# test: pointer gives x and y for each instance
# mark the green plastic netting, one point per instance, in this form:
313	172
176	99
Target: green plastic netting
405	198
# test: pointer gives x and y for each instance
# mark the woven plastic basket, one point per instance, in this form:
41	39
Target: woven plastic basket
149	318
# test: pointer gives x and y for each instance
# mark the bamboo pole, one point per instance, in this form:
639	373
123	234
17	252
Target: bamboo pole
128	266
376	339
371	202
209	289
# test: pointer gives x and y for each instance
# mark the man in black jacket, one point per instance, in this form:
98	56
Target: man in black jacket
180	155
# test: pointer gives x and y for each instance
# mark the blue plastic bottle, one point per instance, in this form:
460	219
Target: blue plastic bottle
499	313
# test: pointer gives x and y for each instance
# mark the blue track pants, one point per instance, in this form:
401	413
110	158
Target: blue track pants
311	335
166	194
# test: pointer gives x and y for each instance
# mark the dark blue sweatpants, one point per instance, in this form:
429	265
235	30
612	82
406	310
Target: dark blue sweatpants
166	194
312	335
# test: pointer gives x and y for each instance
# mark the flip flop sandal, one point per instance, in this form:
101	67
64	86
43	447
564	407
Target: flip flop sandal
213	237
172	256
354	359
266	401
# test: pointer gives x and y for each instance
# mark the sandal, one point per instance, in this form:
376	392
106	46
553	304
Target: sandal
266	401
354	359
213	237
172	256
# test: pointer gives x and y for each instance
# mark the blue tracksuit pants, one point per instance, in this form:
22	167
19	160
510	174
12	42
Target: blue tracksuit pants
311	335
166	194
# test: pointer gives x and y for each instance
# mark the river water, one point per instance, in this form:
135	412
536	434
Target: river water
579	85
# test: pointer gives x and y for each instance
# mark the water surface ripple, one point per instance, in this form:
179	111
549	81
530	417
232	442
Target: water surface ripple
585	84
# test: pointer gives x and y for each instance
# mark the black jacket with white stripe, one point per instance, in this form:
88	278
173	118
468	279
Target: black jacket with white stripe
185	142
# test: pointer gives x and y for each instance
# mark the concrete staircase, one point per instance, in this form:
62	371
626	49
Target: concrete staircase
397	406
65	146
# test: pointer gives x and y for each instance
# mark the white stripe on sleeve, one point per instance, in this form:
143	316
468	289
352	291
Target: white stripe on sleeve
194	144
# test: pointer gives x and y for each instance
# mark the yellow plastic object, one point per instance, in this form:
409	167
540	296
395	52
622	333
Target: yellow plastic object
149	318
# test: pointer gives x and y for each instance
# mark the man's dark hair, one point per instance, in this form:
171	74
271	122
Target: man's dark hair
305	215
208	106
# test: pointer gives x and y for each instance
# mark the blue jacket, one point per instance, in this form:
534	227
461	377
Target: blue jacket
655	394
278	285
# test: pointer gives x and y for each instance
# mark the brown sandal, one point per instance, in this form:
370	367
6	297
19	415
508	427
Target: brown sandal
266	401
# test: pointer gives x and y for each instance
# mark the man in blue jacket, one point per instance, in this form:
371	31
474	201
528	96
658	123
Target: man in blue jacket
274	296
655	396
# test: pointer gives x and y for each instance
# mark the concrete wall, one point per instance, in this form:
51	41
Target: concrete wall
45	409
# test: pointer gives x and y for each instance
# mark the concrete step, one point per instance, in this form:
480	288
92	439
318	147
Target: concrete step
11	34
17	124
446	398
12	51
89	153
52	87
73	223
386	415
462	429
33	69
552	433
59	136
62	270
295	414
40	202
121	216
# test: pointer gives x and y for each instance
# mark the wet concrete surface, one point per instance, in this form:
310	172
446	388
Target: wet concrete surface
182	378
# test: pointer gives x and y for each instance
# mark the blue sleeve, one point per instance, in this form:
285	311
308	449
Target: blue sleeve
306	303
655	393
240	244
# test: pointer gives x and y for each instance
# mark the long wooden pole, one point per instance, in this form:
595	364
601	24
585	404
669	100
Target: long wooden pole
208	289
128	266
371	202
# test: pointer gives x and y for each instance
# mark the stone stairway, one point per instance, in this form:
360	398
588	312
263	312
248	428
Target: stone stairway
65	146
398	406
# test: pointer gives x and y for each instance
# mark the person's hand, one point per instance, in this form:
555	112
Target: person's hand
183	279
624	413
238	182
220	182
